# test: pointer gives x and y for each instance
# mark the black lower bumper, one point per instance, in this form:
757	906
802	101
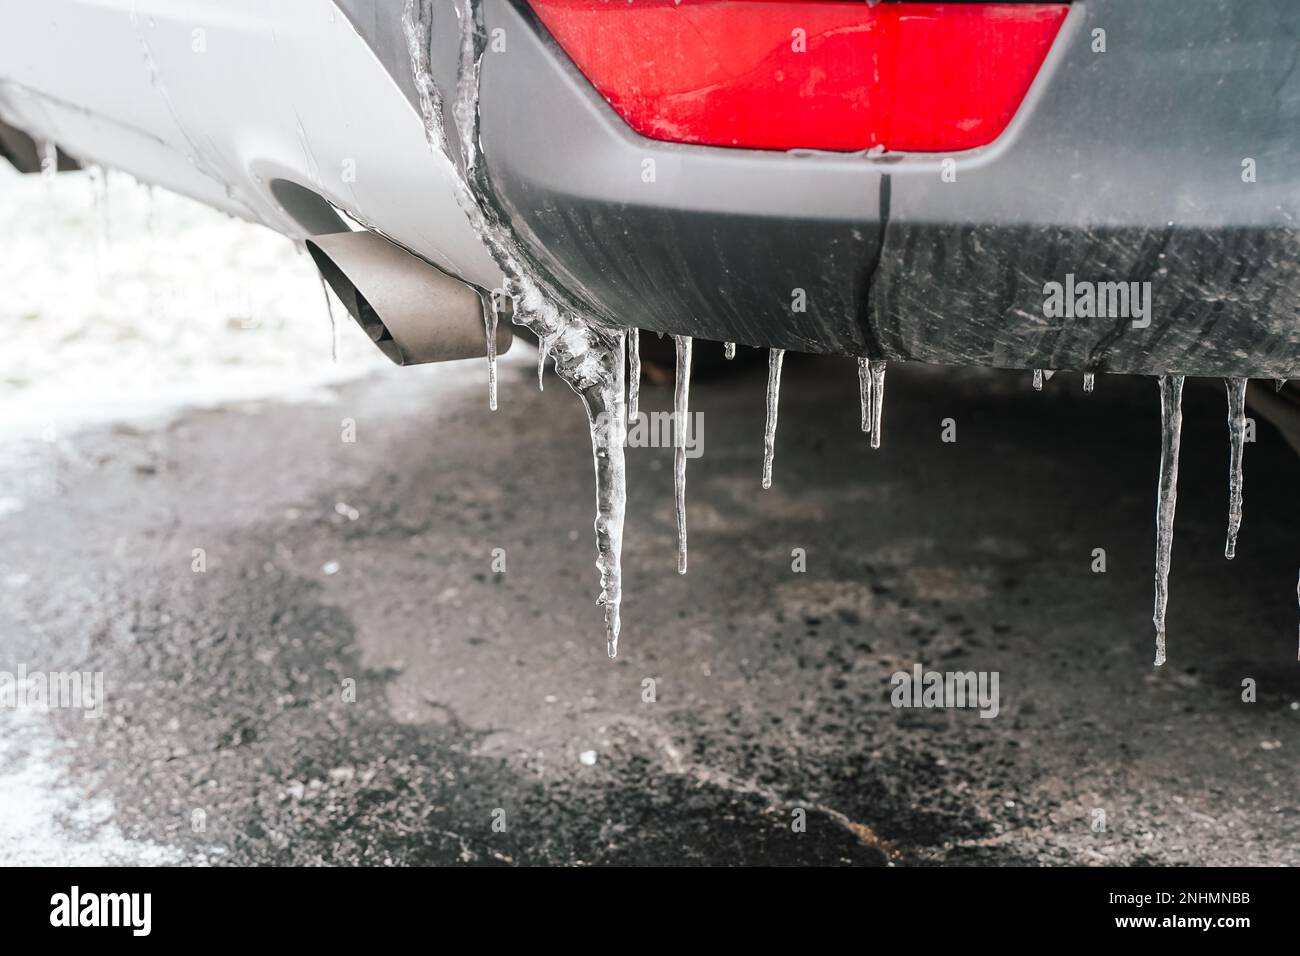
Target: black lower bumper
1130	164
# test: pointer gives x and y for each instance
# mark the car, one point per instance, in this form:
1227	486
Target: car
1099	186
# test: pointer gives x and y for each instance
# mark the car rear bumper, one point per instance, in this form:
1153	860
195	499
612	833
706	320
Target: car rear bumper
1122	166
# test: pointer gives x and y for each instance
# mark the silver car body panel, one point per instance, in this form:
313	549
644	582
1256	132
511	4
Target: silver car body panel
220	99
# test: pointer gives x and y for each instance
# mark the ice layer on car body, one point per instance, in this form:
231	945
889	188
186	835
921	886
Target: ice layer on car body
587	357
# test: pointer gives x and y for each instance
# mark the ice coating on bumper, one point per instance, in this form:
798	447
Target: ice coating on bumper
587	357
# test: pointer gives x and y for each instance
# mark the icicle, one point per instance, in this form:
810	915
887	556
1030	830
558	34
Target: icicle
1171	424
105	208
774	359
729	350
98	177
1279	384
1236	388
543	349
633	373
334	330
864	392
1048	373
681	408
490	327
49	159
587	356
877	399
1089	382
1038	380
608	438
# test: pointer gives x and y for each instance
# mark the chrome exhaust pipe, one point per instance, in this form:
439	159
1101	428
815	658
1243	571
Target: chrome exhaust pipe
412	311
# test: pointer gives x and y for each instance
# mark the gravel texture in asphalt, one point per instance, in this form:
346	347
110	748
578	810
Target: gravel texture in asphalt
341	675
316	650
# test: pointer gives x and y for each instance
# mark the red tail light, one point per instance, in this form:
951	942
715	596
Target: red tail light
781	74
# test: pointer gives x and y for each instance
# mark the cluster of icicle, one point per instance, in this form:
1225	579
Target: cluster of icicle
591	358
1171	422
871	387
1171	425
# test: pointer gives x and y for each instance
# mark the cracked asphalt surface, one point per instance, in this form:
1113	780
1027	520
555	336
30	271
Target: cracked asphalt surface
477	692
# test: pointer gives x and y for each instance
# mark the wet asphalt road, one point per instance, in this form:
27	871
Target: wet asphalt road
477	692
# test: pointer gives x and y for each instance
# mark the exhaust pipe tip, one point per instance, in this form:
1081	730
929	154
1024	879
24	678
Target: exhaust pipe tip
413	312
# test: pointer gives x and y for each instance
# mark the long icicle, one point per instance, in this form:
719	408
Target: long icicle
864	392
729	350
877	399
490	327
608	439
774	359
1038	380
49	158
1089	382
633	372
543	349
1171	426
587	356
681	409
1236	388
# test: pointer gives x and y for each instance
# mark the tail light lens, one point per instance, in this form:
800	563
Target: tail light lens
817	74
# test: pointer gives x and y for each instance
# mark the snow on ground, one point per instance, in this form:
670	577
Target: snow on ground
121	302
46	819
125	302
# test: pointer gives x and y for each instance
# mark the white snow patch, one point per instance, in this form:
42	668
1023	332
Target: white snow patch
46	819
142	302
